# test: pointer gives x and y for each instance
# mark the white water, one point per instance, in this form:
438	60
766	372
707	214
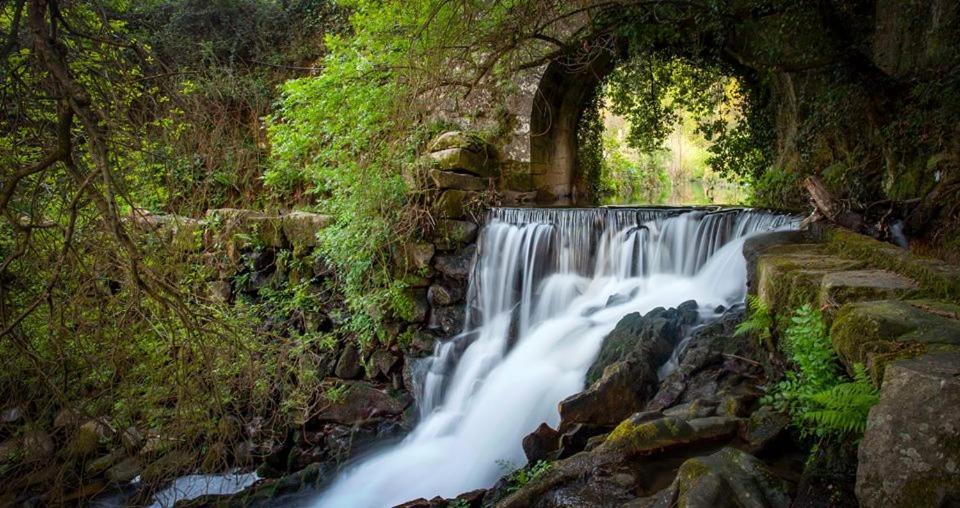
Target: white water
544	277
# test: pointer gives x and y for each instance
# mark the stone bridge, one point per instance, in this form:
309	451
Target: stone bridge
537	158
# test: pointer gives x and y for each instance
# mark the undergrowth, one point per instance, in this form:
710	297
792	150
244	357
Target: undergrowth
822	401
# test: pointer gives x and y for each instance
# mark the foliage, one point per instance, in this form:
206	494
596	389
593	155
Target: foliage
820	399
759	321
655	91
519	478
778	189
842	409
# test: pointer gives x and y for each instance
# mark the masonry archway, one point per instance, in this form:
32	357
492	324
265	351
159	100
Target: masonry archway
565	87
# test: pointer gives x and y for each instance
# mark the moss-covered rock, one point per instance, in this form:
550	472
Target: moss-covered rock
728	478
838	288
300	228
935	278
463	160
631	438
451	204
876	333
789	276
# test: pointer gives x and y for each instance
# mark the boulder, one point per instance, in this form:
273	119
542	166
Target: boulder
910	453
451	234
450	319
876	333
348	366
654	333
10	415
220	291
629	358
728	478
630	446
359	403
445	293
541	443
87	438
456	266
101	464
382	362
764	427
451	180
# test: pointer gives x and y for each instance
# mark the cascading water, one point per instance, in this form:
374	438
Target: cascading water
547	287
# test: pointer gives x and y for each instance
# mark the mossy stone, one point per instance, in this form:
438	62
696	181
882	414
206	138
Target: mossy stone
875	333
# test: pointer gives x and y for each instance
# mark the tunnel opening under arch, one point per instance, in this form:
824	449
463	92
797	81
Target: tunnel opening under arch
576	85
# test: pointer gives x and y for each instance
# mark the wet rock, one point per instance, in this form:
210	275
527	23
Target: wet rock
726	479
124	471
541	443
452	234
910	453
420	344
653	333
360	402
456	266
449	320
348	366
629	359
576	438
444	293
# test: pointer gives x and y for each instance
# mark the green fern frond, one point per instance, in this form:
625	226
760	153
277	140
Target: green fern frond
759	322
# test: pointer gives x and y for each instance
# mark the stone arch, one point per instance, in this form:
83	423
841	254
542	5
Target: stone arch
562	93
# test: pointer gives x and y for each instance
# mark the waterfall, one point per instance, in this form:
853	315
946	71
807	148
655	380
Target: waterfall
548	285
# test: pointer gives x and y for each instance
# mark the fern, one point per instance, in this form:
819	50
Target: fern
759	322
843	408
819	397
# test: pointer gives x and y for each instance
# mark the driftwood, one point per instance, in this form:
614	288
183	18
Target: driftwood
879	220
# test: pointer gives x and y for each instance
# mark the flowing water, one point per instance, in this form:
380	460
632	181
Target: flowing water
547	287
